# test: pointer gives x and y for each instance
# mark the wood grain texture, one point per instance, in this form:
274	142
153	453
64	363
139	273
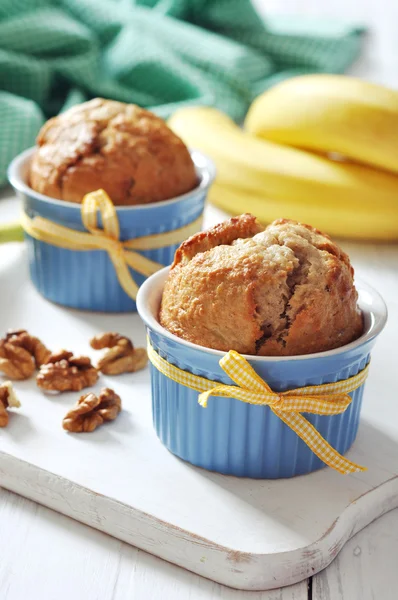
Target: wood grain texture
25	537
48	556
117	479
366	568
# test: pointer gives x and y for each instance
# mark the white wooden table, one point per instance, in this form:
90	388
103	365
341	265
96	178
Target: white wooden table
50	557
60	558
47	556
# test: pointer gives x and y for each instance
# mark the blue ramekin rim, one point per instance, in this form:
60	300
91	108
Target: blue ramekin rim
204	166
375	320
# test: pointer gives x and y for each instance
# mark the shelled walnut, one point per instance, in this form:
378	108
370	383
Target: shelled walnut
91	411
21	353
64	372
8	398
121	357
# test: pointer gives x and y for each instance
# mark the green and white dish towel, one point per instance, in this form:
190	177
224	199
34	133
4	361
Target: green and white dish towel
160	54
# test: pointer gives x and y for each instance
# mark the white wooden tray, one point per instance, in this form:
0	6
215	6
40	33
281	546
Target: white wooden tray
247	534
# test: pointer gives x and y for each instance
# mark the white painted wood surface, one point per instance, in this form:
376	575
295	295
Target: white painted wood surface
79	562
366	568
118	479
46	556
60	559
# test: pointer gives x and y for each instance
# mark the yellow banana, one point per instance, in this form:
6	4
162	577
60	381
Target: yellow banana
346	222
283	173
330	113
11	232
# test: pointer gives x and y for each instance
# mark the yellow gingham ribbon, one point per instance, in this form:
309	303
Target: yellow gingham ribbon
122	253
325	399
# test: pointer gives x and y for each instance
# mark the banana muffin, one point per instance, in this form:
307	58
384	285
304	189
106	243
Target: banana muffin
125	150
279	291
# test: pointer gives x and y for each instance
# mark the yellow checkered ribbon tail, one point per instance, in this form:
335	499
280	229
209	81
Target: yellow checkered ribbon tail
123	254
325	399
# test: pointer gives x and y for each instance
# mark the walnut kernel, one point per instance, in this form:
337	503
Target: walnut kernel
121	356
8	398
21	353
91	411
65	372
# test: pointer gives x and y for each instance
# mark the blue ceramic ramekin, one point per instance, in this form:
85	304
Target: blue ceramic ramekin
87	280
235	438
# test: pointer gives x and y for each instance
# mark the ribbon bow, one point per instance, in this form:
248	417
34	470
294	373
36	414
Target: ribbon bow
122	253
325	399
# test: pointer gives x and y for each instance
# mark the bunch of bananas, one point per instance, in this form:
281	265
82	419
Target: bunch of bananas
320	149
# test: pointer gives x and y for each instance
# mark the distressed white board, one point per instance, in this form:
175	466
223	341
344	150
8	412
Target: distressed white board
94	566
247	534
366	568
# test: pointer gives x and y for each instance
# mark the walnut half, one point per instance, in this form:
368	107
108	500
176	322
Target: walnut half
64	372
91	411
8	398
21	353
121	357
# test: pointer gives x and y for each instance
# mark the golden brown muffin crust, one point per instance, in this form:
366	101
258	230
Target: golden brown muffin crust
286	290
125	150
224	233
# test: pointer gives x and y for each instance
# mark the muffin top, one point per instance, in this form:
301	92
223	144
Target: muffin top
125	150
280	291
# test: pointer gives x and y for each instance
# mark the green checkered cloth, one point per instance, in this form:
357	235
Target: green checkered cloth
160	54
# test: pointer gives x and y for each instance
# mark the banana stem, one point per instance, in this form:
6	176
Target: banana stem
11	232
